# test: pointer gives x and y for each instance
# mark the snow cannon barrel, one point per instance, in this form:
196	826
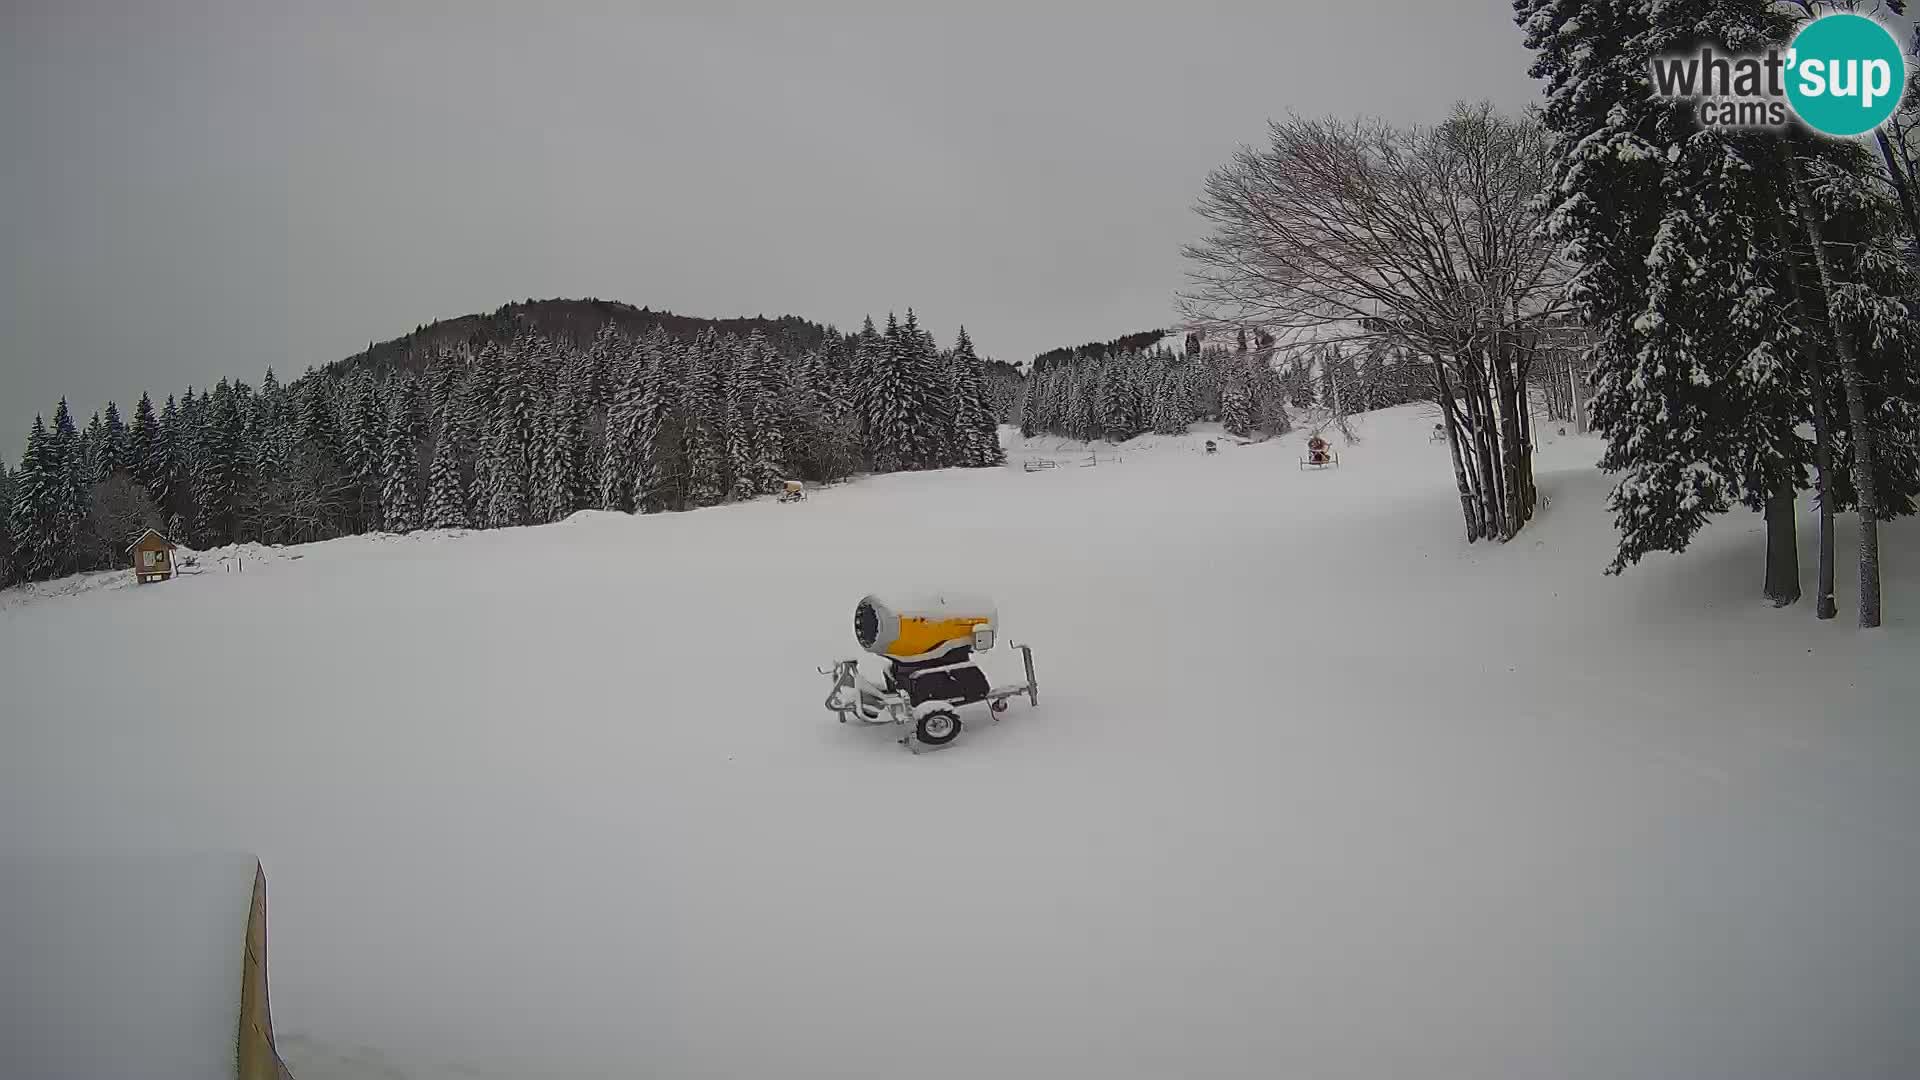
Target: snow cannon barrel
920	627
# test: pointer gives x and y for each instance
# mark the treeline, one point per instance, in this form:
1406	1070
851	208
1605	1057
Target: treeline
1102	393
573	323
523	429
1140	341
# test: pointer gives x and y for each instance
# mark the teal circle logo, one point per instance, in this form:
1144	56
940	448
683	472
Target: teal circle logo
1845	74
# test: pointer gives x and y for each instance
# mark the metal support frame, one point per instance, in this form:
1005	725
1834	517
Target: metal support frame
853	697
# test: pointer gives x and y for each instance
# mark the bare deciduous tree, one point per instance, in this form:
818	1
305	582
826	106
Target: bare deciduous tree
117	513
1429	240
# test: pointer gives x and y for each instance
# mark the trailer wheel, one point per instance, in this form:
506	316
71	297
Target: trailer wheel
937	727
1000	705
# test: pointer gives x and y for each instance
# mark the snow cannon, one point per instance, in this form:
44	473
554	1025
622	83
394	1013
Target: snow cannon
928	643
915	628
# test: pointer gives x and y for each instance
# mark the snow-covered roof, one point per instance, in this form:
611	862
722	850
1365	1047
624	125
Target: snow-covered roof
122	966
142	538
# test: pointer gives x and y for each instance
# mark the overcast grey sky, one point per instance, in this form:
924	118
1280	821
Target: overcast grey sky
192	190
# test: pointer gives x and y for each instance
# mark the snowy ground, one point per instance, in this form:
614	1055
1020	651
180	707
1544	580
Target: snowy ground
1314	789
122	966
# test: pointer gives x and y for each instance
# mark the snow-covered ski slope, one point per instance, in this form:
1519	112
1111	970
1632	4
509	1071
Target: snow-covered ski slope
1314	789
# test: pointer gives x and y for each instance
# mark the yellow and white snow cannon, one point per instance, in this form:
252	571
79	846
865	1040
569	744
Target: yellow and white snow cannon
928	642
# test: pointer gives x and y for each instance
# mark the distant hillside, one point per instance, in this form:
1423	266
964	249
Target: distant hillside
571	321
1098	350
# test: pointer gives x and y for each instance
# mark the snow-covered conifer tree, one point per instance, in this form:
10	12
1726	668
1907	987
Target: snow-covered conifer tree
36	510
503	496
140	442
446	490
400	508
979	428
1672	228
893	396
1236	396
701	405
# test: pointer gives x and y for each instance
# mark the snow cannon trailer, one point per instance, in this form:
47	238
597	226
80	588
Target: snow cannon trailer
928	643
1319	454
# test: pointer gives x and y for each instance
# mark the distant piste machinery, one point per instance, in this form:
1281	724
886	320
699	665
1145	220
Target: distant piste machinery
928	641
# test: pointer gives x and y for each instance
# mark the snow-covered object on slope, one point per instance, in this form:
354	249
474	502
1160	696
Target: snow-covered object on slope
1314	789
127	967
914	626
250	557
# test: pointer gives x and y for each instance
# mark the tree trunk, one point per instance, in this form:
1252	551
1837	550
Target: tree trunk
1513	496
1469	416
1823	605
1468	508
1901	184
1783	549
1529	495
1573	394
1486	446
1523	359
1856	408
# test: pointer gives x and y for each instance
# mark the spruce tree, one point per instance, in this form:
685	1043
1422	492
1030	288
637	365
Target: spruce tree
163	482
568	467
547	466
446	489
890	400
927	416
504	499
9	570
754	438
35	515
366	441
775	414
582	397
1236	397
1111	419
141	440
319	427
72	488
114	458
1083	421
400	510
1677	271
479	398
736	424
409	406
441	382
978	437
702	403
272	463
1032	406
1169	401
217	466
617	465
660	366
93	450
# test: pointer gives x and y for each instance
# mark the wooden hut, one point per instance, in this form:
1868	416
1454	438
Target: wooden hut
152	557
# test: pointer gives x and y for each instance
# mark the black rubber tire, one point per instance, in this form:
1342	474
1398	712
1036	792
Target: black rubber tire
943	733
999	706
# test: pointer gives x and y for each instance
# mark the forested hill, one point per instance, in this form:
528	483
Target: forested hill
521	417
569	322
1100	350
